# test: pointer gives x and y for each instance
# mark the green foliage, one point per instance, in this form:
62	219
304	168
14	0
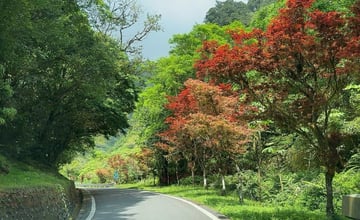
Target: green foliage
264	15
346	183
22	175
302	194
226	12
354	162
230	207
339	5
66	82
280	175
94	166
255	5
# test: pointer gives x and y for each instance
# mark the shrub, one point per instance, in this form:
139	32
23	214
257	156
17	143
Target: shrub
188	181
103	175
345	183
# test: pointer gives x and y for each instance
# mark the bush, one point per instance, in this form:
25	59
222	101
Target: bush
188	181
4	168
103	175
345	183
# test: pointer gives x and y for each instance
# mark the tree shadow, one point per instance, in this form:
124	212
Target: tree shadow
113	203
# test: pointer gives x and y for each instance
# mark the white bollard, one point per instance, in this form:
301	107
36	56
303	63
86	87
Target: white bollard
351	206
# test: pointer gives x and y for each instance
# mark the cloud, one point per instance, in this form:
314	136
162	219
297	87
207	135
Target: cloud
186	12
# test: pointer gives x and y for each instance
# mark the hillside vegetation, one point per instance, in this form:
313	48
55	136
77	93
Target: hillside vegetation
17	175
265	111
262	108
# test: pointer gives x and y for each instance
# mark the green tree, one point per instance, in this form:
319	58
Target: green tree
68	82
120	19
10	28
7	113
255	5
264	15
226	12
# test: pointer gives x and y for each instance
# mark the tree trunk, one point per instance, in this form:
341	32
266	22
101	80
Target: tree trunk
329	176
239	185
223	190
193	175
281	183
177	173
259	185
331	159
204	178
168	178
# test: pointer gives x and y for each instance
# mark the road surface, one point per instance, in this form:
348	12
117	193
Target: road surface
130	204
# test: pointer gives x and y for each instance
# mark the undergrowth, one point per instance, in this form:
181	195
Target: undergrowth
23	175
229	205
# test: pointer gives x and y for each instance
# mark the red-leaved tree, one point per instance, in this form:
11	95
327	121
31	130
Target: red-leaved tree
296	71
206	123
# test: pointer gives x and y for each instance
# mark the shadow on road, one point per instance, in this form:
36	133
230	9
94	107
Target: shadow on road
113	203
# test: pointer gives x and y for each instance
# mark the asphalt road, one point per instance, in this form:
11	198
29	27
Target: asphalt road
111	203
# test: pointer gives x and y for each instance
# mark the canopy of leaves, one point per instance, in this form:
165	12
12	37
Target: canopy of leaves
296	71
226	12
66	82
205	123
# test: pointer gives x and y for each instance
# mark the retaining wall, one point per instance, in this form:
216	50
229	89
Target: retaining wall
45	202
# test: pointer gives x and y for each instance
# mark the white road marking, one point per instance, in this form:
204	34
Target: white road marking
204	211
93	208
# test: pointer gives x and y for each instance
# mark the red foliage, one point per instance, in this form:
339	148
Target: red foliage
103	174
352	51
116	162
204	116
295	71
299	48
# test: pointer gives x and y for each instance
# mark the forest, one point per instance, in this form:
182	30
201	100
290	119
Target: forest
261	101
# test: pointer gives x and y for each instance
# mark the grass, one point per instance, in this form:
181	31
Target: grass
22	175
229	205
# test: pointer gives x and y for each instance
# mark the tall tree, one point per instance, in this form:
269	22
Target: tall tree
264	15
296	71
121	20
224	13
255	5
68	82
7	113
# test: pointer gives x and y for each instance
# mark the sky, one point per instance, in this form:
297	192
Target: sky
177	17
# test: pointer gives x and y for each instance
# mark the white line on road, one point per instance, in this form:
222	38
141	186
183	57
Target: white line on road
93	208
204	211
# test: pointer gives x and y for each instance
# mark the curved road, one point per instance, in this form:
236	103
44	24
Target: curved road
112	203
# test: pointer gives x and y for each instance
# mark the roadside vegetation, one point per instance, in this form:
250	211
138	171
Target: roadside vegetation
18	175
264	113
261	109
64	79
302	196
230	207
